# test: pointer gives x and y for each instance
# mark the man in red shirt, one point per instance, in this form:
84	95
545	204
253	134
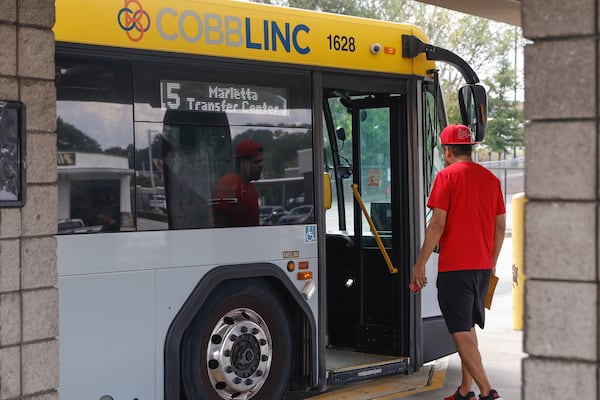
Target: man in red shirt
468	223
235	198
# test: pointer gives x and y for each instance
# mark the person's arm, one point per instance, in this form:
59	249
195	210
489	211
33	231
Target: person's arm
498	238
433	233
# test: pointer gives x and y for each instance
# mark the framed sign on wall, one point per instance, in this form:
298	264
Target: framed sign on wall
12	154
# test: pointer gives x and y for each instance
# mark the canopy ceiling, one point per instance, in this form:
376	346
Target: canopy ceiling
507	11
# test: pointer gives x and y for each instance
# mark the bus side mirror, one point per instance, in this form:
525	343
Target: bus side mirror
326	190
472	100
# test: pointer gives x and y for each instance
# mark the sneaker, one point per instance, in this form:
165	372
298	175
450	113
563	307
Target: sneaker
458	396
492	396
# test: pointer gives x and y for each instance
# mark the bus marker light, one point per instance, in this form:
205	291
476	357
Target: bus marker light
291	266
309	289
389	50
303	265
303	276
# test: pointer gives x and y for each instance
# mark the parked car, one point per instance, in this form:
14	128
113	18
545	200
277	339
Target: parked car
269	215
157	201
69	225
298	215
76	225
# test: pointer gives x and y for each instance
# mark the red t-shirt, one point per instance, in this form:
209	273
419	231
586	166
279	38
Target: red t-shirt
472	197
235	202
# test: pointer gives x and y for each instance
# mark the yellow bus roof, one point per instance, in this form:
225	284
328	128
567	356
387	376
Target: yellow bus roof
240	30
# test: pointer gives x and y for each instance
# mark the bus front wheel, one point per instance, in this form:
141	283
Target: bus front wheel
239	345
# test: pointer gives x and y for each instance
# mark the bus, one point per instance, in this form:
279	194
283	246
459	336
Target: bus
158	302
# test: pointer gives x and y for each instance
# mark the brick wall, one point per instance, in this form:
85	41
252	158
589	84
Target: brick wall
28	296
561	217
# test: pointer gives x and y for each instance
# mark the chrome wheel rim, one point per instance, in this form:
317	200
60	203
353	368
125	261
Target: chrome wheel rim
239	354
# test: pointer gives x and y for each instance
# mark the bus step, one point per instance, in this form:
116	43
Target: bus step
367	371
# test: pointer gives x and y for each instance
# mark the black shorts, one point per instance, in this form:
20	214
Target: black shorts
461	295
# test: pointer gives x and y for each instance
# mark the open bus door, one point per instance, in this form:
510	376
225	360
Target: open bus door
371	317
377	144
373	143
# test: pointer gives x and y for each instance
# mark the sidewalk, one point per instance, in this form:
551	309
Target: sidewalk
501	347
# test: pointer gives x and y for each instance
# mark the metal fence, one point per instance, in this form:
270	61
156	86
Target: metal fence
511	173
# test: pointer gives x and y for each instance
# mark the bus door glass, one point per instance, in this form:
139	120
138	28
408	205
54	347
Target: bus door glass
379	172
436	341
365	146
434	119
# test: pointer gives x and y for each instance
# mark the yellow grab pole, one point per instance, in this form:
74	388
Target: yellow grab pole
393	270
518	246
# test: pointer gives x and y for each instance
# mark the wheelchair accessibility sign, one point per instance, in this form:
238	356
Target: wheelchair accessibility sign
310	234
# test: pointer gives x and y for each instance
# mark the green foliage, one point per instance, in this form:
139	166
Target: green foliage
280	148
72	139
356	8
505	122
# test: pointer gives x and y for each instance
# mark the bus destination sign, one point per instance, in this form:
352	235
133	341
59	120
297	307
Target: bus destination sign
223	97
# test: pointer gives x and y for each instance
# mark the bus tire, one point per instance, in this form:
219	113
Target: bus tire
239	345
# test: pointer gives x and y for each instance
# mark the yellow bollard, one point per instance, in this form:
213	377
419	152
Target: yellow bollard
518	247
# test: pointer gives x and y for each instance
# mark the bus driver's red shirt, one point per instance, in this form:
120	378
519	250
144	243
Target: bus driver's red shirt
472	197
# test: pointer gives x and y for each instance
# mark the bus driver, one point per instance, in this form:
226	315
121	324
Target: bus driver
235	198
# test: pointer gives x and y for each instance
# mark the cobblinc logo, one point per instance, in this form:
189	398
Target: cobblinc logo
209	28
133	20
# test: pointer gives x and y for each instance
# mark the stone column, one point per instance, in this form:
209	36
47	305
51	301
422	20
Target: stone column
561	217
28	294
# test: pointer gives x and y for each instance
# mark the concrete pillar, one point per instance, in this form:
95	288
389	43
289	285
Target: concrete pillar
561	216
28	294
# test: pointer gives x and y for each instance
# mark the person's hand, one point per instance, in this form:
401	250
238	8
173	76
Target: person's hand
419	278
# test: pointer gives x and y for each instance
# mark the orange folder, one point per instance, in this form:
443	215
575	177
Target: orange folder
490	292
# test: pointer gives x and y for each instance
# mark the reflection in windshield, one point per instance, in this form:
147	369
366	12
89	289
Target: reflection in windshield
159	171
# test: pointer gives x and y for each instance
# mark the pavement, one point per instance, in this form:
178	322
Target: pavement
500	345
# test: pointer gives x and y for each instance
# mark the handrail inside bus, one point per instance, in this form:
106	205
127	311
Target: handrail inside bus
388	261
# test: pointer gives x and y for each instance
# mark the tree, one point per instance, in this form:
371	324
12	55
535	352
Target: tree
280	147
356	8
506	120
72	139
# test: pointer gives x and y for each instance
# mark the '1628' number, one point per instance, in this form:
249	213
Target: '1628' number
341	43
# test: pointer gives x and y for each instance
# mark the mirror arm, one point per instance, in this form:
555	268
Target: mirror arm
413	46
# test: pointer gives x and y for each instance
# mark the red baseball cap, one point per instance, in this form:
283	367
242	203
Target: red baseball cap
457	134
247	149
